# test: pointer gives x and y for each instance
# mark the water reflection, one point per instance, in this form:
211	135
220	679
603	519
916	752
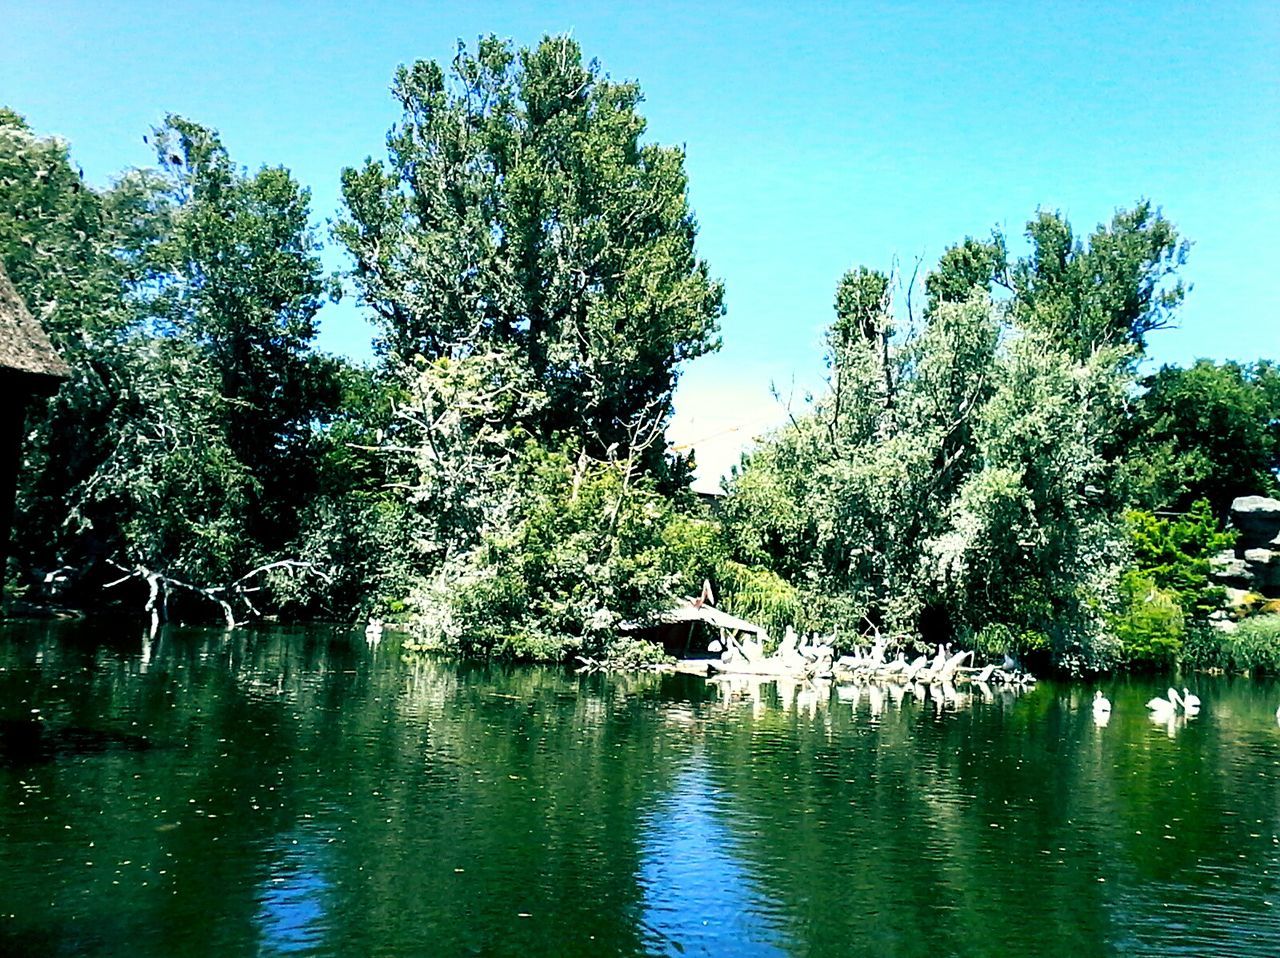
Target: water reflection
291	908
305	791
698	898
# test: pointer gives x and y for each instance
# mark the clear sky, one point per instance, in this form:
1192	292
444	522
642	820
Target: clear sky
819	136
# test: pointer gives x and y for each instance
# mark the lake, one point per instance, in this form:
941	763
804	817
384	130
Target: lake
293	791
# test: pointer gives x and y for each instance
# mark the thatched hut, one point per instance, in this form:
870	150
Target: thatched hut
29	366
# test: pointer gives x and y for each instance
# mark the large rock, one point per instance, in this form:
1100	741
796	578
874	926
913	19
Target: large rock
1257	518
1226	569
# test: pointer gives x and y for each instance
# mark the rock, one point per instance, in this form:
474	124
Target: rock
1231	571
1261	557
1266	578
1236	597
1257	518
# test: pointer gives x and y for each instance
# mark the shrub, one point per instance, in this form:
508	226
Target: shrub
1253	646
580	550
1175	554
1000	639
1150	624
627	652
762	596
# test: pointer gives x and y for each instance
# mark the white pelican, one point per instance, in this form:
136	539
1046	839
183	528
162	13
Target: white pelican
1101	704
1190	702
1164	708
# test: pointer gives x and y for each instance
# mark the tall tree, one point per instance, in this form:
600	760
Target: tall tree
1209	431
1113	290
228	261
183	298
519	206
56	234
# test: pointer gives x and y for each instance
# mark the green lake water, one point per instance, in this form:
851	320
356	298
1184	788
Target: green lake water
297	792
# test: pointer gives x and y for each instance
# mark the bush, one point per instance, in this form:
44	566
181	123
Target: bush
1254	646
581	550
626	652
1175	554
1000	639
762	596
1150	624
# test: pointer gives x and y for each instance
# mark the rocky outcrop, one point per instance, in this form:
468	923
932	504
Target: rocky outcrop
1254	564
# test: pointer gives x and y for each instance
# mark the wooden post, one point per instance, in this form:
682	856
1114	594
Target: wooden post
688	640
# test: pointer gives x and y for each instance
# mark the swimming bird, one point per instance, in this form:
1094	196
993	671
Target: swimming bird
1101	704
1190	702
1164	707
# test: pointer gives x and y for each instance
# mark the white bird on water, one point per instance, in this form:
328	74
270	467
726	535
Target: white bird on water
1190	703
1101	704
1165	708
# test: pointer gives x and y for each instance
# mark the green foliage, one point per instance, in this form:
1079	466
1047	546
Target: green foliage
1150	624
227	261
183	299
1002	639
520	208
1113	290
762	596
1205	432
964	481
1175	555
631	653
579	547
1253	646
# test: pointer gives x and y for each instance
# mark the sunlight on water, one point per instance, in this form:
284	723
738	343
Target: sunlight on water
696	894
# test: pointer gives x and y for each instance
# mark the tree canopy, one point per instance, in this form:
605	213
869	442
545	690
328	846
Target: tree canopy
992	470
520	207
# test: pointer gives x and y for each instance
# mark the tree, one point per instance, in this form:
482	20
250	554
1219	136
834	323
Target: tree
962	480
519	208
1114	290
1209	432
227	261
56	234
183	299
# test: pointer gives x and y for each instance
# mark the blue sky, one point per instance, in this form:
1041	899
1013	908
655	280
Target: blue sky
819	136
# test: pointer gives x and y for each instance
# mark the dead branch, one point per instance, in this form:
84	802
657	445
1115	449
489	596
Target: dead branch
160	586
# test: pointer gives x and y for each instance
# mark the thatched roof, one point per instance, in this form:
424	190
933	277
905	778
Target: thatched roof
24	347
691	612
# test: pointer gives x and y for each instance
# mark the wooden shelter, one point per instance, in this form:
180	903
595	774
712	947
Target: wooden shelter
29	366
675	628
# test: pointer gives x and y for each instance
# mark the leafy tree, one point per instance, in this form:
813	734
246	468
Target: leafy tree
587	546
227	261
183	299
1175	554
172	489
963	480
519	208
1113	290
972	264
55	238
1205	432
1150	625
